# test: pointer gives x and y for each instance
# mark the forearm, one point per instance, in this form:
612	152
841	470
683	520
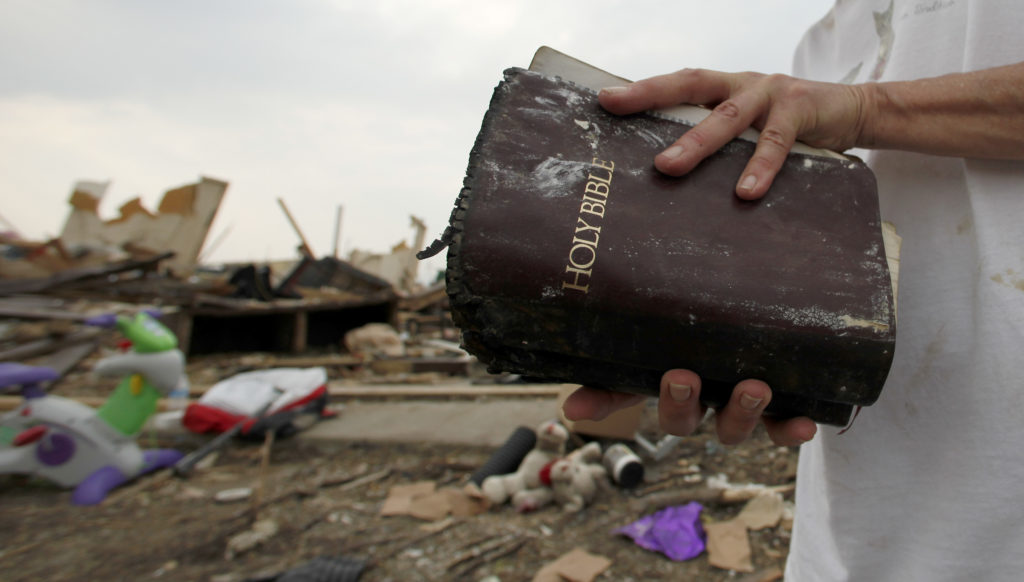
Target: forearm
978	114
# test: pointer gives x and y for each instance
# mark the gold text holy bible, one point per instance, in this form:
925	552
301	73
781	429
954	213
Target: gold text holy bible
572	259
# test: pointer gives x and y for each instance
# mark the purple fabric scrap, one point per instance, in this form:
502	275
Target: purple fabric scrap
673	531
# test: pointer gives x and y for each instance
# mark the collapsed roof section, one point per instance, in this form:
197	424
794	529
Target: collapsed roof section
180	224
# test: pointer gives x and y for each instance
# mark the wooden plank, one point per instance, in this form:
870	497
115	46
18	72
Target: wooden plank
300	332
425	391
343	392
305	245
443	391
74	275
49	345
183	330
65	359
19	313
458	366
12	402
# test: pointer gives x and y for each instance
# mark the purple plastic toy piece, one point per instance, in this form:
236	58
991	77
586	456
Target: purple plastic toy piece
94	488
104	320
28	377
153	459
55	449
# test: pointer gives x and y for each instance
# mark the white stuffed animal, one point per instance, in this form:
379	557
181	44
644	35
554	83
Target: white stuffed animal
551	438
576	479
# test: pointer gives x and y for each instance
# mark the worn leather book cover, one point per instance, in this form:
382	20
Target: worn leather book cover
572	259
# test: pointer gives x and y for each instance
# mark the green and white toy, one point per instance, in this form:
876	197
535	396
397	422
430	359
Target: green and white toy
94	451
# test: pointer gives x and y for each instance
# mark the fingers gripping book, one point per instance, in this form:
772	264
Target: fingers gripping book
572	259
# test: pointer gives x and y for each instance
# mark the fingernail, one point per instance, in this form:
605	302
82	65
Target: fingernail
673	152
614	90
749	402
748	182
679	392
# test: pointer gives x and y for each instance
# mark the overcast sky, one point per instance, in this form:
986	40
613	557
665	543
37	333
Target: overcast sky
372	105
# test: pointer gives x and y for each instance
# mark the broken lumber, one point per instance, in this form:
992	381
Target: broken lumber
706	496
42	284
49	345
306	250
443	391
487	550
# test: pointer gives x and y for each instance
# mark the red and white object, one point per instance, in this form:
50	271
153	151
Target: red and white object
240	397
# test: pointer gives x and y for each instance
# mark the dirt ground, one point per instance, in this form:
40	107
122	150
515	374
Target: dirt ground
326	503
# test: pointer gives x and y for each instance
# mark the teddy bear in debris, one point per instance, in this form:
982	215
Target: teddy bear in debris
527	482
576	479
571	482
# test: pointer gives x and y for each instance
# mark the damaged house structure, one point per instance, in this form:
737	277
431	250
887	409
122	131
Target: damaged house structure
180	224
152	258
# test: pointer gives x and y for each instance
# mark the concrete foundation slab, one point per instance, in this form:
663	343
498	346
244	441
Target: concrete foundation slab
462	422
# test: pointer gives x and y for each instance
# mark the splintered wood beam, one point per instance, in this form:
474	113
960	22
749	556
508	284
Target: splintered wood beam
337	232
49	345
305	245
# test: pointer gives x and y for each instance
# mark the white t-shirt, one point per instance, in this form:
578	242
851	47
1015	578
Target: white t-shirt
928	484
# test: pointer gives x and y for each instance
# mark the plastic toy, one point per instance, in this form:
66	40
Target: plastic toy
93	451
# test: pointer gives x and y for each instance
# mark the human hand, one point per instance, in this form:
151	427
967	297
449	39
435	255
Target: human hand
785	109
680	411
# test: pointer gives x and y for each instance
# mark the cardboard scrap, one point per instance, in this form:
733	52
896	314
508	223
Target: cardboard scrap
575	566
400	497
423	500
430	507
763	511
727	543
728	546
463	504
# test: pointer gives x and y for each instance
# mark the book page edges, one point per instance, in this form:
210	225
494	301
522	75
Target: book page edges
557	64
893	242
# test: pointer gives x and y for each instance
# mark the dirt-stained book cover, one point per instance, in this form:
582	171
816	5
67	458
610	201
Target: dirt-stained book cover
572	259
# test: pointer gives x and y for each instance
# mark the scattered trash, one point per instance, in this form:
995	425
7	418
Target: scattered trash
528	487
576	566
506	459
673	531
233	495
367	332
260	532
424	501
624	467
286	393
728	545
763	511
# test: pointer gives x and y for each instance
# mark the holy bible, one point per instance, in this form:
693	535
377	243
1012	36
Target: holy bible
572	259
